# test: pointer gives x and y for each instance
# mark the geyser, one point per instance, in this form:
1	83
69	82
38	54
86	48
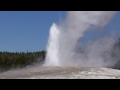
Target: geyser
62	44
53	45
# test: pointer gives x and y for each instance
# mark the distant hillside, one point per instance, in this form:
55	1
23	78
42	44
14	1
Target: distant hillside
9	60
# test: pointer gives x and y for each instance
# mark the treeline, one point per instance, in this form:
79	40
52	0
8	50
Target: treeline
9	60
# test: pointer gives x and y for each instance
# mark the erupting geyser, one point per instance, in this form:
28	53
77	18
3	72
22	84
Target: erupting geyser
63	39
53	46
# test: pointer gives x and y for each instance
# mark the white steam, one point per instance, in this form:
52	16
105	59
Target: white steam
53	46
62	45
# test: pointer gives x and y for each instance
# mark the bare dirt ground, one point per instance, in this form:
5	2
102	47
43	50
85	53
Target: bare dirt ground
62	73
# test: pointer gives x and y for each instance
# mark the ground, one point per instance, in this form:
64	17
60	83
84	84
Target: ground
62	73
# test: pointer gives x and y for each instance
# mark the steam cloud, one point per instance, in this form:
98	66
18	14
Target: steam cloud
62	48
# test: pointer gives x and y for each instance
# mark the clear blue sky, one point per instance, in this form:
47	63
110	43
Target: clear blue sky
29	30
26	30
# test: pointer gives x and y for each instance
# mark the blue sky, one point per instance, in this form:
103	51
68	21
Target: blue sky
29	30
26	30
